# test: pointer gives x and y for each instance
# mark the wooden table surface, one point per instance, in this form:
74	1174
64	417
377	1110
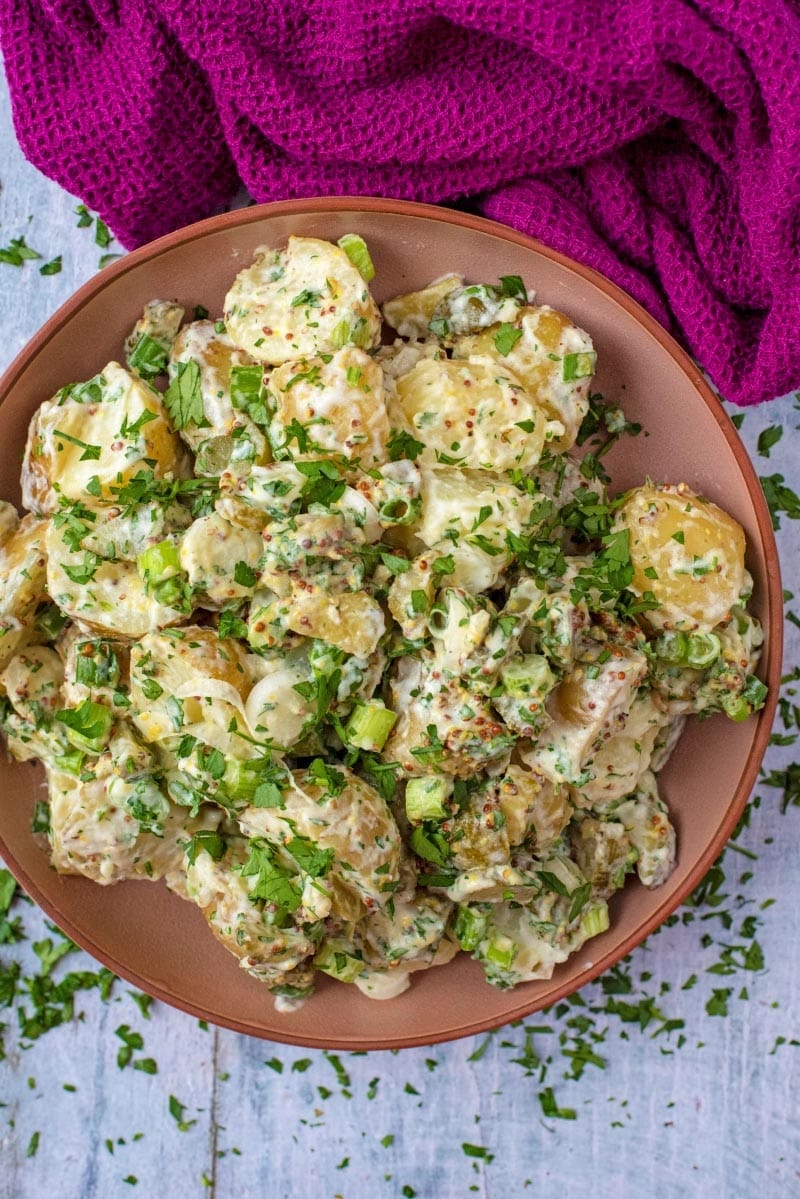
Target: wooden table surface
676	1075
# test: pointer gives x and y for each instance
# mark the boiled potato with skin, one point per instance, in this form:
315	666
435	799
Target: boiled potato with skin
470	413
23	576
208	676
534	806
238	921
353	620
33	681
344	814
410	313
113	598
210	551
339	403
687	552
109	428
95	833
215	354
295	303
553	359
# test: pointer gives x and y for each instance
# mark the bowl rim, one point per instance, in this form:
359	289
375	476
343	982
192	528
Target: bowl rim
771	664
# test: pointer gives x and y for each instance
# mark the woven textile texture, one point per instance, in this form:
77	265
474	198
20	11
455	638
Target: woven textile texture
657	142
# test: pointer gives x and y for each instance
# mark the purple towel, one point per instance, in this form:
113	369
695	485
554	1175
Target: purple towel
658	142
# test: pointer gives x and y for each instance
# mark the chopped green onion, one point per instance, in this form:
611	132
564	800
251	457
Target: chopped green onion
71	762
50	620
426	798
369	725
469	927
595	919
88	726
356	250
672	647
340	335
527	676
578	366
501	951
703	649
332	959
736	708
148	358
159	562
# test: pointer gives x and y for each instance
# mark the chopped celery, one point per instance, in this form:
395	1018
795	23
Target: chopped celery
96	665
333	959
426	798
159	562
71	762
340	335
356	250
595	919
703	649
529	675
369	725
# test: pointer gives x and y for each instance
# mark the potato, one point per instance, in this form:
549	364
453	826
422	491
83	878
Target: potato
33	682
190	677
238	921
553	359
108	596
23	574
473	414
295	303
353	621
215	355
344	814
210	552
410	313
339	404
687	552
107	429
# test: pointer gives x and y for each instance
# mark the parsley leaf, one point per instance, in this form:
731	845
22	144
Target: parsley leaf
183	398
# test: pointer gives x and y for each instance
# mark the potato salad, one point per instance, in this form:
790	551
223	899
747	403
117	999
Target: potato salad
323	614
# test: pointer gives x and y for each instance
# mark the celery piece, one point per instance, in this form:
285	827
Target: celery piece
340	335
159	562
703	649
356	250
369	725
426	798
49	620
595	919
527	676
332	958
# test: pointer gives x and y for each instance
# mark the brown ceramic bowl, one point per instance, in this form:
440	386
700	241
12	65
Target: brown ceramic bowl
161	943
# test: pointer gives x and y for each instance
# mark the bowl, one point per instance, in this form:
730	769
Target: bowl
159	942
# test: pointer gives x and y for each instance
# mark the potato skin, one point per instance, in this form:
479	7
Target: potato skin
687	552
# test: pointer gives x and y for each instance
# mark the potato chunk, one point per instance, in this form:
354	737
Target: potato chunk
295	303
687	552
107	429
471	413
216	356
23	572
336	810
552	358
339	404
410	313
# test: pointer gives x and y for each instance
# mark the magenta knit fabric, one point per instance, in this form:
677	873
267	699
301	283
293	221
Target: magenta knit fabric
657	142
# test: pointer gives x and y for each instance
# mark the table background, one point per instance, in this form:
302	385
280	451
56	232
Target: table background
674	1075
